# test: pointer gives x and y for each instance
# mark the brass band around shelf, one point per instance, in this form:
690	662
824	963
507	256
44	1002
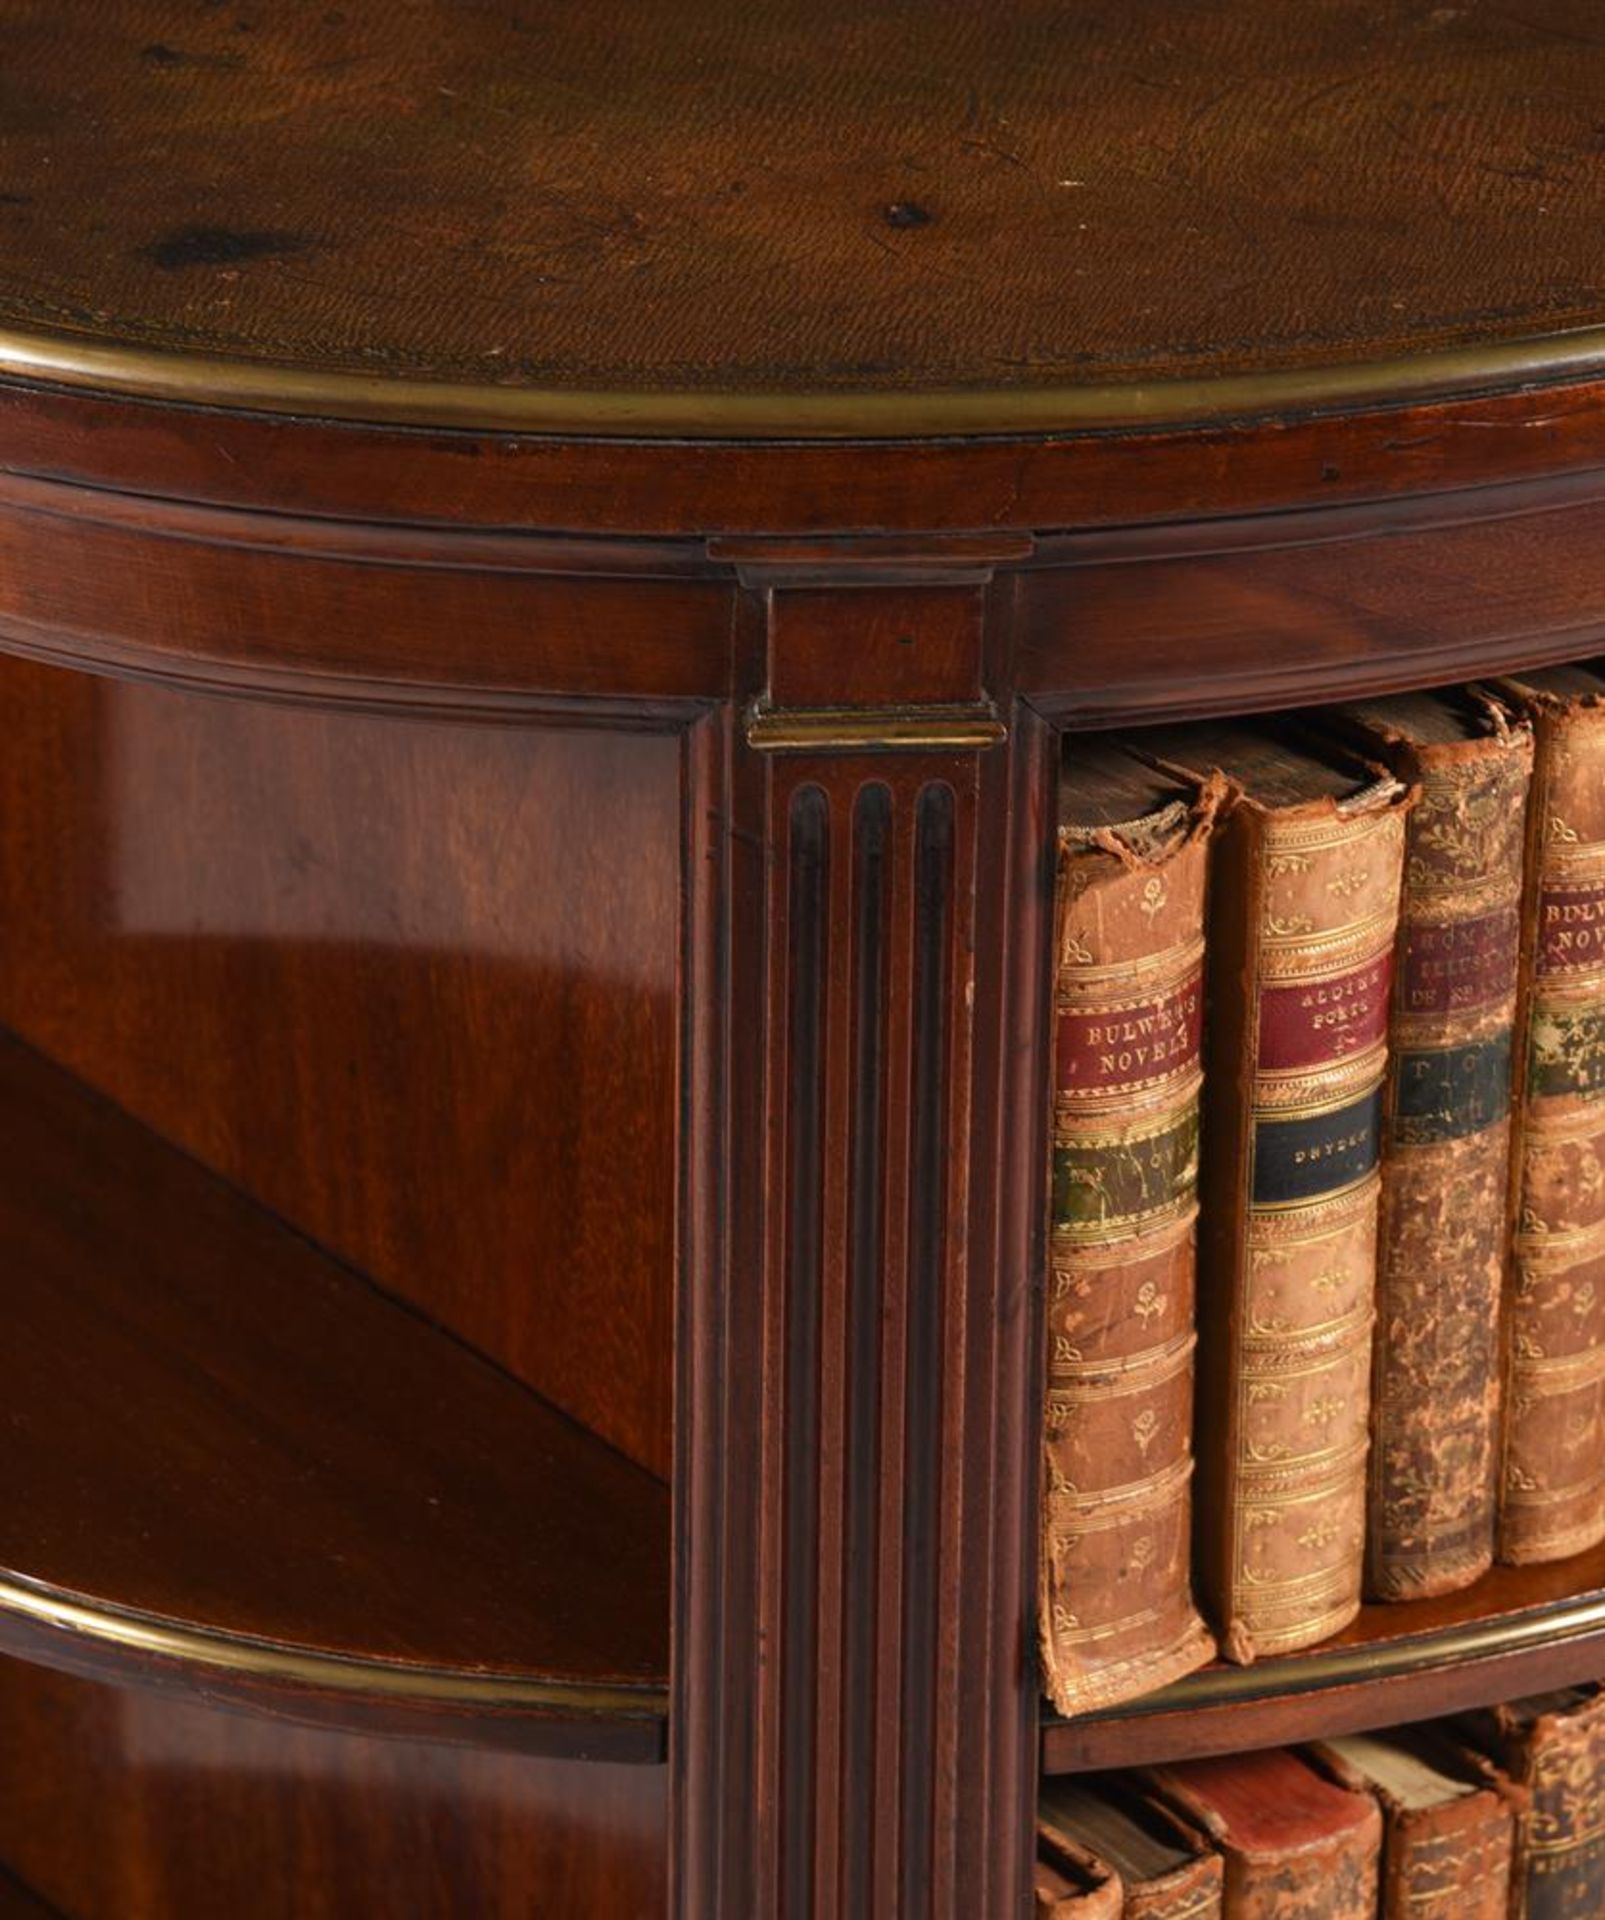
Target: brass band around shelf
1354	1665
868	729
268	1662
208	380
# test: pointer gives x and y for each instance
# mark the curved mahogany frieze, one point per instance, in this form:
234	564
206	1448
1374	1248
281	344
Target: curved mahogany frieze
668	487
1115	625
380	617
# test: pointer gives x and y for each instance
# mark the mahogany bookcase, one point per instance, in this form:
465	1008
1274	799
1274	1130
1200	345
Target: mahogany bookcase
545	557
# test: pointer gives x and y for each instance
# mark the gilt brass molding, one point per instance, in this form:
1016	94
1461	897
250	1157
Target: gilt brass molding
268	1662
204	380
1405	1656
874	729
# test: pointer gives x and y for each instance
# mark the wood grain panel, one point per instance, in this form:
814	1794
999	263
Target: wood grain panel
410	983
233	1463
124	1805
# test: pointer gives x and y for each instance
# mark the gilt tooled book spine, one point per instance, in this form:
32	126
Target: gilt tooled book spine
1306	903
1446	1153
1552	1497
1116	1607
1555	1760
1447	1862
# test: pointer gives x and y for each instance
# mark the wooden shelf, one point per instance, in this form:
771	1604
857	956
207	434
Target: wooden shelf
1518	1630
235	1467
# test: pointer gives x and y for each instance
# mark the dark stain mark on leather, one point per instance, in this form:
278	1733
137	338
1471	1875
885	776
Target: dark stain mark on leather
219	247
908	213
159	55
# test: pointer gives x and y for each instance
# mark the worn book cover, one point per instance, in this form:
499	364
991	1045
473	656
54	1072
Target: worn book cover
1295	1844
1168	1869
1446	1146
1116	1607
1551	1749
1552	1494
1304	910
1448	1826
1070	1883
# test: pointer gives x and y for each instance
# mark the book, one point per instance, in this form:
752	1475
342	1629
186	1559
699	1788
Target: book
1295	1844
1552	1492
1448	1828
1116	1611
1551	1748
1446	1137
1168	1870
1303	913
1070	1883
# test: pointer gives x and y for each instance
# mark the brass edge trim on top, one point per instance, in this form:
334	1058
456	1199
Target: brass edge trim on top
254	387
269	1660
1318	1670
861	729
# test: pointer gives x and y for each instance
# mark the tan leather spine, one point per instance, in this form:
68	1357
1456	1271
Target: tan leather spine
1193	1892
1305	911
1072	1883
1446	1153
1552	1497
1451	1862
1116	1609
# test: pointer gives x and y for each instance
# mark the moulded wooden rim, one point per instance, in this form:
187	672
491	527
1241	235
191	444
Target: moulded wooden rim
1385	1669
259	1661
264	387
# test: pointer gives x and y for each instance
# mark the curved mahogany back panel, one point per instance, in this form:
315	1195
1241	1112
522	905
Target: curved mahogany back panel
409	982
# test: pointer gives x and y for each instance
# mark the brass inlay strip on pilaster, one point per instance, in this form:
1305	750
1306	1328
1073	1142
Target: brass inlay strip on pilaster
871	729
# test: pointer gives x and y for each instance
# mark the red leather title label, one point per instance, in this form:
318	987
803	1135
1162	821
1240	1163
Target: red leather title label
1308	1023
1453	966
1571	929
1133	1044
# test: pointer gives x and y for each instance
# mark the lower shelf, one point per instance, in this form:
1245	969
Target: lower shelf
1518	1630
236	1468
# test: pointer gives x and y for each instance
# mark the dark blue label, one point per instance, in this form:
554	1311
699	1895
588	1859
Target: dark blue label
1451	1091
1298	1159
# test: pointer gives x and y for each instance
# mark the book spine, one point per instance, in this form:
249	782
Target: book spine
1552	1500
1072	1883
1446	1156
1193	1892
1307	911
1448	1863
1560	1837
1338	1880
1117	1615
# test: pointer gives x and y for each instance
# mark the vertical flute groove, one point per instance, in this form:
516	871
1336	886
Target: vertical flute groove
926	1305
865	1255
808	921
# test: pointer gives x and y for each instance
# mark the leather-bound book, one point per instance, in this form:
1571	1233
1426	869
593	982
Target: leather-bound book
1167	1868
1071	1883
1304	910
1295	1844
1116	1607
1551	1748
1552	1492
1448	1829
1434	1475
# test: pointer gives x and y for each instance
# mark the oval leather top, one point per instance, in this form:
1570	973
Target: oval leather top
784	217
